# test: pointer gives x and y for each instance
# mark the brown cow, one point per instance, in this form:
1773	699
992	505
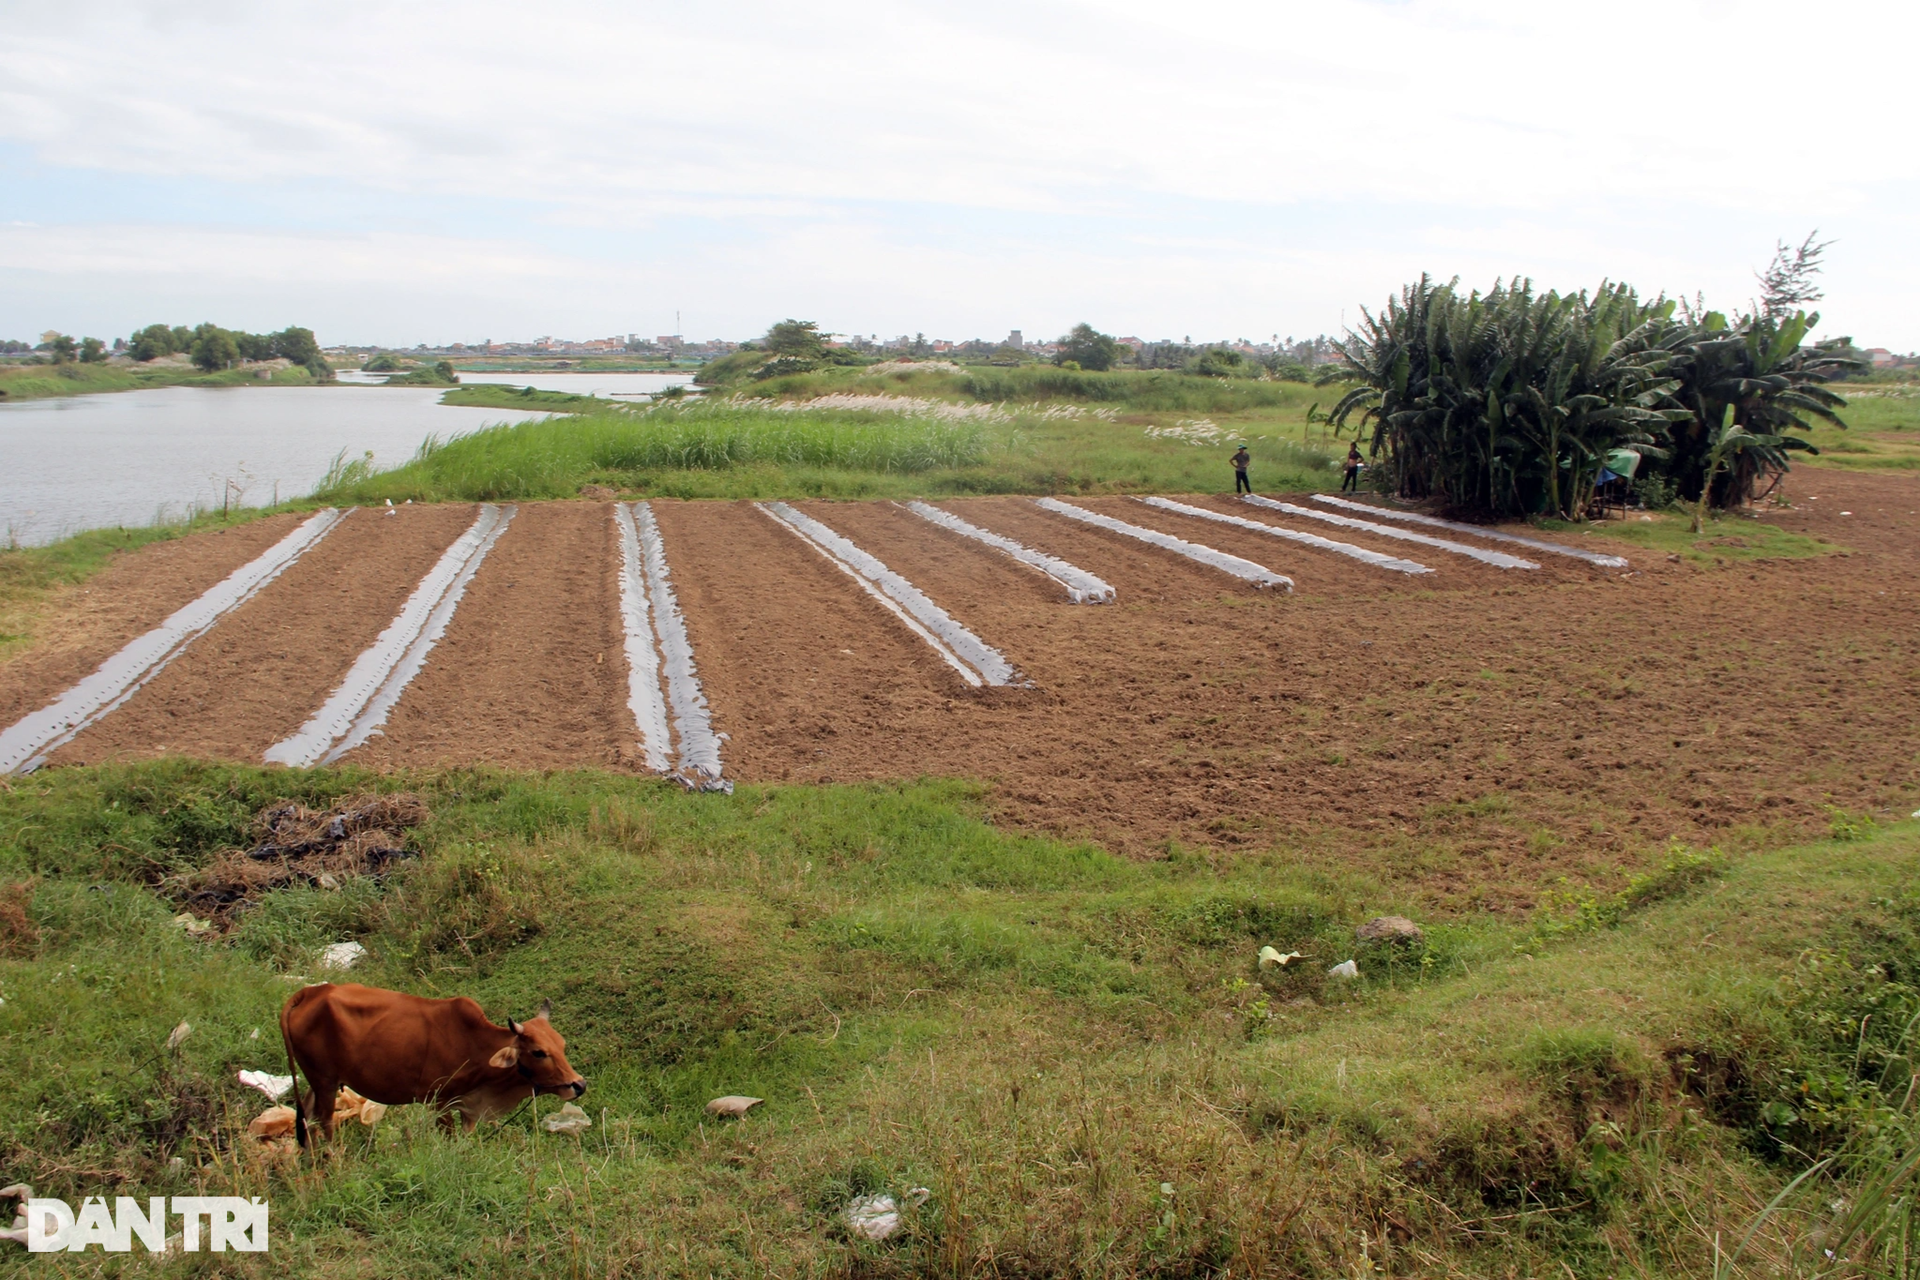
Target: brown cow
396	1048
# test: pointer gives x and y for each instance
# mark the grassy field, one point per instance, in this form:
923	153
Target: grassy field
39	382
851	443
1883	421
1076	1054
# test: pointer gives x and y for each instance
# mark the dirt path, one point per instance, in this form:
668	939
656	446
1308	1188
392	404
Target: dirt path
531	673
258	675
87	624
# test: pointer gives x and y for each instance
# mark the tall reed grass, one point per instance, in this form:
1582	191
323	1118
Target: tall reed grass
550	458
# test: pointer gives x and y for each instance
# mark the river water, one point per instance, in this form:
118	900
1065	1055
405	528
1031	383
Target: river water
137	457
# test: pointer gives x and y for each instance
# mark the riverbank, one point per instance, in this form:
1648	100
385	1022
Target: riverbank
45	381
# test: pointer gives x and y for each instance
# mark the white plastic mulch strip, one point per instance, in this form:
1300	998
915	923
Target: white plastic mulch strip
1082	587
25	744
1591	557
1374	558
699	744
1258	575
977	662
643	658
1498	559
373	685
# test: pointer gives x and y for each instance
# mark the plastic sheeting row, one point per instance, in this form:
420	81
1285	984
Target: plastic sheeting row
658	647
25	745
976	661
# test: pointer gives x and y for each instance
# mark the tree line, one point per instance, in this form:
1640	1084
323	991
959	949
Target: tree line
209	346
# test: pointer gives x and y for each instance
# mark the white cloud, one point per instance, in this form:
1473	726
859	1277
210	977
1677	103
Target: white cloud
953	143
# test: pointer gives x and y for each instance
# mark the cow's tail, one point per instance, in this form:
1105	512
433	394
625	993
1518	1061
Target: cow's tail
286	1042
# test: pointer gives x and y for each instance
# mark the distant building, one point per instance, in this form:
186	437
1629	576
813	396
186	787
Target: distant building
1015	339
1882	358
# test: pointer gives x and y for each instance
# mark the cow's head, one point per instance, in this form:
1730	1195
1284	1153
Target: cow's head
539	1056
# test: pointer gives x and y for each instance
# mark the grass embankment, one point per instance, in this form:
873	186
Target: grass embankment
31	576
488	395
40	382
1883	421
897	435
1075	1053
1730	537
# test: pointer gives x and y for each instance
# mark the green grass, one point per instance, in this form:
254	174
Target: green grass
727	448
1076	1053
1730	538
39	382
1883	421
488	395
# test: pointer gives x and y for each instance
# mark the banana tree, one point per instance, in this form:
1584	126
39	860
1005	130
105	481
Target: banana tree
1759	376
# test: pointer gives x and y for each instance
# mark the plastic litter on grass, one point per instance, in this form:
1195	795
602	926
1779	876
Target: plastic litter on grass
342	955
1498	559
569	1119
359	707
1434	522
977	662
25	744
1082	587
877	1216
275	1087
734	1105
1362	554
1246	570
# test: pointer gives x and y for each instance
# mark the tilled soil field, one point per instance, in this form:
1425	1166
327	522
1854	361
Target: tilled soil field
1477	730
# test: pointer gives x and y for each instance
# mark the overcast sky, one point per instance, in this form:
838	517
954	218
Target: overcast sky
440	173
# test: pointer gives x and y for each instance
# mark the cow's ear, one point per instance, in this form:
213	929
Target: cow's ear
507	1057
546	1012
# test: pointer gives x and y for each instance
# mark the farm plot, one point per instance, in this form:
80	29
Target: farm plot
1194	707
130	597
531	670
263	671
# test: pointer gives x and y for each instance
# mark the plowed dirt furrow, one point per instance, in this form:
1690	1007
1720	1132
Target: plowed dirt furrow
1139	573
1454	568
139	590
1022	613
262	671
1323	572
806	674
532	672
1314	572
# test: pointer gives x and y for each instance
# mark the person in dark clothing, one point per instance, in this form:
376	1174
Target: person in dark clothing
1240	460
1350	483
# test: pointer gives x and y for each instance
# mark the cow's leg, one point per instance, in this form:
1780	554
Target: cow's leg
324	1088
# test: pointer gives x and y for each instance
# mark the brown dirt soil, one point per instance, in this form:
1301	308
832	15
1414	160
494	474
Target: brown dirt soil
1475	734
808	676
271	663
82	626
532	671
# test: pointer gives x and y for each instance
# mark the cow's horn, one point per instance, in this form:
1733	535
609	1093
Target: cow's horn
546	1010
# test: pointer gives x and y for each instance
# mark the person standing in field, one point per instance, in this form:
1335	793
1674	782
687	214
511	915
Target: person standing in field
1350	483
1240	460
